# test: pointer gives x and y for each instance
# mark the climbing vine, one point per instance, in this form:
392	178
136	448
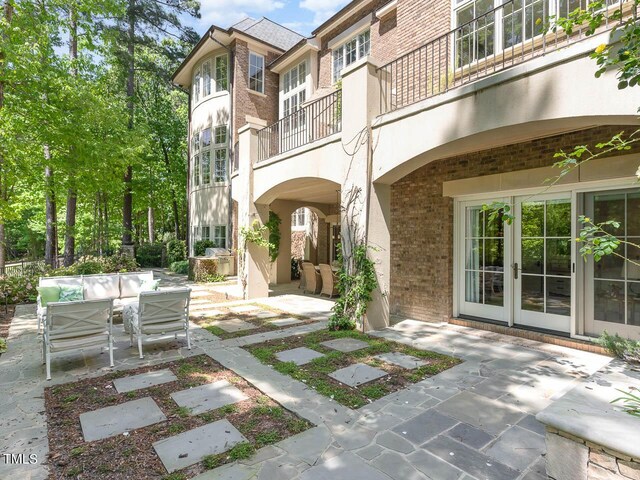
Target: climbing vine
273	225
255	234
357	278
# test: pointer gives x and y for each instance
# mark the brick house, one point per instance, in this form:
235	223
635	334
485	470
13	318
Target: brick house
430	110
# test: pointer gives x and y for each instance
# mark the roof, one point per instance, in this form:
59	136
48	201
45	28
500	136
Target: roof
269	32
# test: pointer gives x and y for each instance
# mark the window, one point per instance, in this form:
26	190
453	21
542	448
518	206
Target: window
220	236
205	233
299	218
221	155
206	167
294	94
221	73
256	72
475	38
206	137
347	53
196	170
206	79
196	86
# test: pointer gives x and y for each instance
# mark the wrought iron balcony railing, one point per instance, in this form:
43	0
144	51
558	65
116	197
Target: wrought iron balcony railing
318	119
502	37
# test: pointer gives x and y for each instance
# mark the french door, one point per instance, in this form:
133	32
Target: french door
522	273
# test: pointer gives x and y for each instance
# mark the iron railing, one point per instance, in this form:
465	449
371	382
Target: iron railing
318	119
23	268
498	39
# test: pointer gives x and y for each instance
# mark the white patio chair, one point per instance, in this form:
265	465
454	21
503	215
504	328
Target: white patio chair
158	313
76	325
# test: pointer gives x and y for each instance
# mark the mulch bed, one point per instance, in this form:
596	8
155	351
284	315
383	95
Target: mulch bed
260	419
315	373
5	319
263	325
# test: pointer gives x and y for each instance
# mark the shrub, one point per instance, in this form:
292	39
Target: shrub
200	246
19	289
176	251
181	267
119	263
89	267
149	255
204	270
624	348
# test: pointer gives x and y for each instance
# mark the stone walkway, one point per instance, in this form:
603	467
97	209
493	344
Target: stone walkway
473	421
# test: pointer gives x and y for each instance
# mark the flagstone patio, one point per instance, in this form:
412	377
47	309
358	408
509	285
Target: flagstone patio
473	421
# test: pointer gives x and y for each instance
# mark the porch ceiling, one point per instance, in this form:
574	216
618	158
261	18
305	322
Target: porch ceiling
310	190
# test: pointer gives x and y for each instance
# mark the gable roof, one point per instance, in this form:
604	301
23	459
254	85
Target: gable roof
269	32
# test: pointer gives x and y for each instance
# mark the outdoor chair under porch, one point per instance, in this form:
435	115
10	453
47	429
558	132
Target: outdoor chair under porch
77	325
312	278
158	313
329	281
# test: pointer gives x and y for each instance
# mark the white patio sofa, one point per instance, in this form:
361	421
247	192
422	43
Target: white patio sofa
122	288
158	313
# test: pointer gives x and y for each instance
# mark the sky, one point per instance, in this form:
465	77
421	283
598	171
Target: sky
301	16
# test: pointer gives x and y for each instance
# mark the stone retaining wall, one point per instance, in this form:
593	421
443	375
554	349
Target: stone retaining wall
573	458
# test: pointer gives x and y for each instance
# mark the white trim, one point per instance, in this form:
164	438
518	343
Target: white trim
351	32
387	9
264	72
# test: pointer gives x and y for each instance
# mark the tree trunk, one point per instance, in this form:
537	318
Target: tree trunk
127	205
174	201
70	234
151	222
50	249
72	198
106	221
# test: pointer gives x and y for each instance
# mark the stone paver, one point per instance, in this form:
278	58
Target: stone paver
345	344
244	309
518	448
470	436
264	315
190	447
344	466
109	421
424	426
433	467
401	360
469	460
481	412
208	397
357	374
234	325
204	313
144	380
299	356
284	322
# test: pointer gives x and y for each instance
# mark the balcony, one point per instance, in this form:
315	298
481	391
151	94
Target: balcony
505	36
319	119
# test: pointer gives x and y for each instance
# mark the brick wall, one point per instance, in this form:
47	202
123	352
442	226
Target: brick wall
422	219
246	102
298	241
420	21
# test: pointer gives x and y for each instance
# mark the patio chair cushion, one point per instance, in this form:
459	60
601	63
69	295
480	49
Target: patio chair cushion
130	283
49	294
70	293
78	342
101	286
149	285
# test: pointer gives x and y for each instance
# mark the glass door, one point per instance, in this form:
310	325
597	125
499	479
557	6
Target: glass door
483	288
612	285
542	268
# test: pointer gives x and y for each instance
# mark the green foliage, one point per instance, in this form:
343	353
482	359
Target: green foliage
631	401
119	263
241	451
267	438
211	278
355	289
201	246
89	267
3	345
181	267
176	251
210	461
149	255
20	289
623	348
273	225
205	270
255	235
595	239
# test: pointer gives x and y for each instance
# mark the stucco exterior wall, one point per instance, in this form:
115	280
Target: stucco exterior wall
422	218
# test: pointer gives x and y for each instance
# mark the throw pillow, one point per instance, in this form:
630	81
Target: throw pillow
149	285
48	294
71	293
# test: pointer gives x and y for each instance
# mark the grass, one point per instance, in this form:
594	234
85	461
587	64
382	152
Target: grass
183	412
267	438
315	374
241	451
217	331
211	461
71	398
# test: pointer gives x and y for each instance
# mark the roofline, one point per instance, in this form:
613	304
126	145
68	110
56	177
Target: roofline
286	54
336	15
193	51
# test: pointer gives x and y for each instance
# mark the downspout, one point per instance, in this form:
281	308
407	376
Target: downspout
187	234
230	139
